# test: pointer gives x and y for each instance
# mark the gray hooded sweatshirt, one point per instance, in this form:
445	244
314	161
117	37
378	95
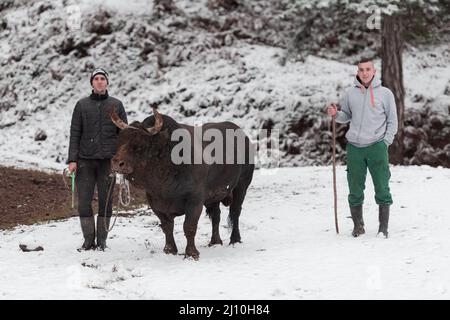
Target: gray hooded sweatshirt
371	112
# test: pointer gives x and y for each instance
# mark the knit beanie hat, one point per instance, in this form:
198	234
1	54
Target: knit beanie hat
99	71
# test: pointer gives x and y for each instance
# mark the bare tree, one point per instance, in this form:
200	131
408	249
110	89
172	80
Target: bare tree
392	76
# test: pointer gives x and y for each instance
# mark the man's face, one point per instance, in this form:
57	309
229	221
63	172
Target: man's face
99	84
366	71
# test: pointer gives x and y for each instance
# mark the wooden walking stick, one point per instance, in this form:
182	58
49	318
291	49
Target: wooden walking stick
334	174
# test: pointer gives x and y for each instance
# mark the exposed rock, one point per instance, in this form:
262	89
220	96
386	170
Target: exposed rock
25	248
40	135
447	90
100	23
223	4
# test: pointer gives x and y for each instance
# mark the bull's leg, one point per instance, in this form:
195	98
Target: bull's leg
236	206
192	212
167	228
235	212
213	211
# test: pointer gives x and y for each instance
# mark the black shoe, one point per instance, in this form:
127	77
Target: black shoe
358	222
102	232
88	229
383	217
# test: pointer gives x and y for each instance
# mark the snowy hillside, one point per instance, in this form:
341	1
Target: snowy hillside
186	58
289	250
212	60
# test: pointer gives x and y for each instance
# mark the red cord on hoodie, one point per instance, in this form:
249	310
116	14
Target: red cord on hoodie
372	97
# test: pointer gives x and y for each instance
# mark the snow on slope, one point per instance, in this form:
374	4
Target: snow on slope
289	249
136	7
198	78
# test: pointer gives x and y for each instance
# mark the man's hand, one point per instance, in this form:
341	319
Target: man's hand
72	167
332	110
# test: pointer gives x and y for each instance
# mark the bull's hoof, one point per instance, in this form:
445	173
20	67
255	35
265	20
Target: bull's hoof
192	253
195	258
233	241
170	250
213	242
357	231
235	237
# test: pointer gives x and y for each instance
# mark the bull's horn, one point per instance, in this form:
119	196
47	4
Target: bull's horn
117	121
158	122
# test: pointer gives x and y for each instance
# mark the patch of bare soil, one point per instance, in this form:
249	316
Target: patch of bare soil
28	197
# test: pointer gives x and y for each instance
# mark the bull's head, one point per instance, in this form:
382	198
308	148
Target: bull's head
133	143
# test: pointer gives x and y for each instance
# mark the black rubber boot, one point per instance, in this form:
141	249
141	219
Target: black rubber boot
88	229
358	222
384	219
102	232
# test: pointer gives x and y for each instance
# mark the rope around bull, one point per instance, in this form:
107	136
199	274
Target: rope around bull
124	185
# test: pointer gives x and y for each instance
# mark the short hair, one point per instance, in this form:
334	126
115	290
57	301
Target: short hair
364	60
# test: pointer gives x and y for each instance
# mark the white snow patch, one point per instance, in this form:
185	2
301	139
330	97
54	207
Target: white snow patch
29	242
136	7
289	250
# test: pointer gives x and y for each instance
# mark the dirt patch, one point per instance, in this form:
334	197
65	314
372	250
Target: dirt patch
28	197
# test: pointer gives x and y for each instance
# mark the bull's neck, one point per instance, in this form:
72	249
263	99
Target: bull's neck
160	172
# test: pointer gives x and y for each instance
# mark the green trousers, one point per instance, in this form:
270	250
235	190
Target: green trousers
375	157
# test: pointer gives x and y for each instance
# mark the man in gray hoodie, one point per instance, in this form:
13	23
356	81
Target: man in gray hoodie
370	109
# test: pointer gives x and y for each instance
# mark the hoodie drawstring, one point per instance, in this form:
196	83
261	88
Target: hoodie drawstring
372	97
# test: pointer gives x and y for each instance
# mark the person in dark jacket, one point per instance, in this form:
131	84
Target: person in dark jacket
92	144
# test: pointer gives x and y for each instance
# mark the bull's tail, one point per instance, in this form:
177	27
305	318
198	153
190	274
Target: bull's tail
229	220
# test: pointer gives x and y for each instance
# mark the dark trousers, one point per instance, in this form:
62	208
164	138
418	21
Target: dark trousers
90	173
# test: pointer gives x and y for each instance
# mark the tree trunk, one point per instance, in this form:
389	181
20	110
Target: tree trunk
392	76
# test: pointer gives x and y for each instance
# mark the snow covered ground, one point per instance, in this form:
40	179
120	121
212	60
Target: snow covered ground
289	250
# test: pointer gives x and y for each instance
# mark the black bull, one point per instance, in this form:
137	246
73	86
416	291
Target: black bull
144	157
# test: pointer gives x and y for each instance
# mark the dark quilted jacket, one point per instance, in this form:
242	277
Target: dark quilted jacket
92	133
